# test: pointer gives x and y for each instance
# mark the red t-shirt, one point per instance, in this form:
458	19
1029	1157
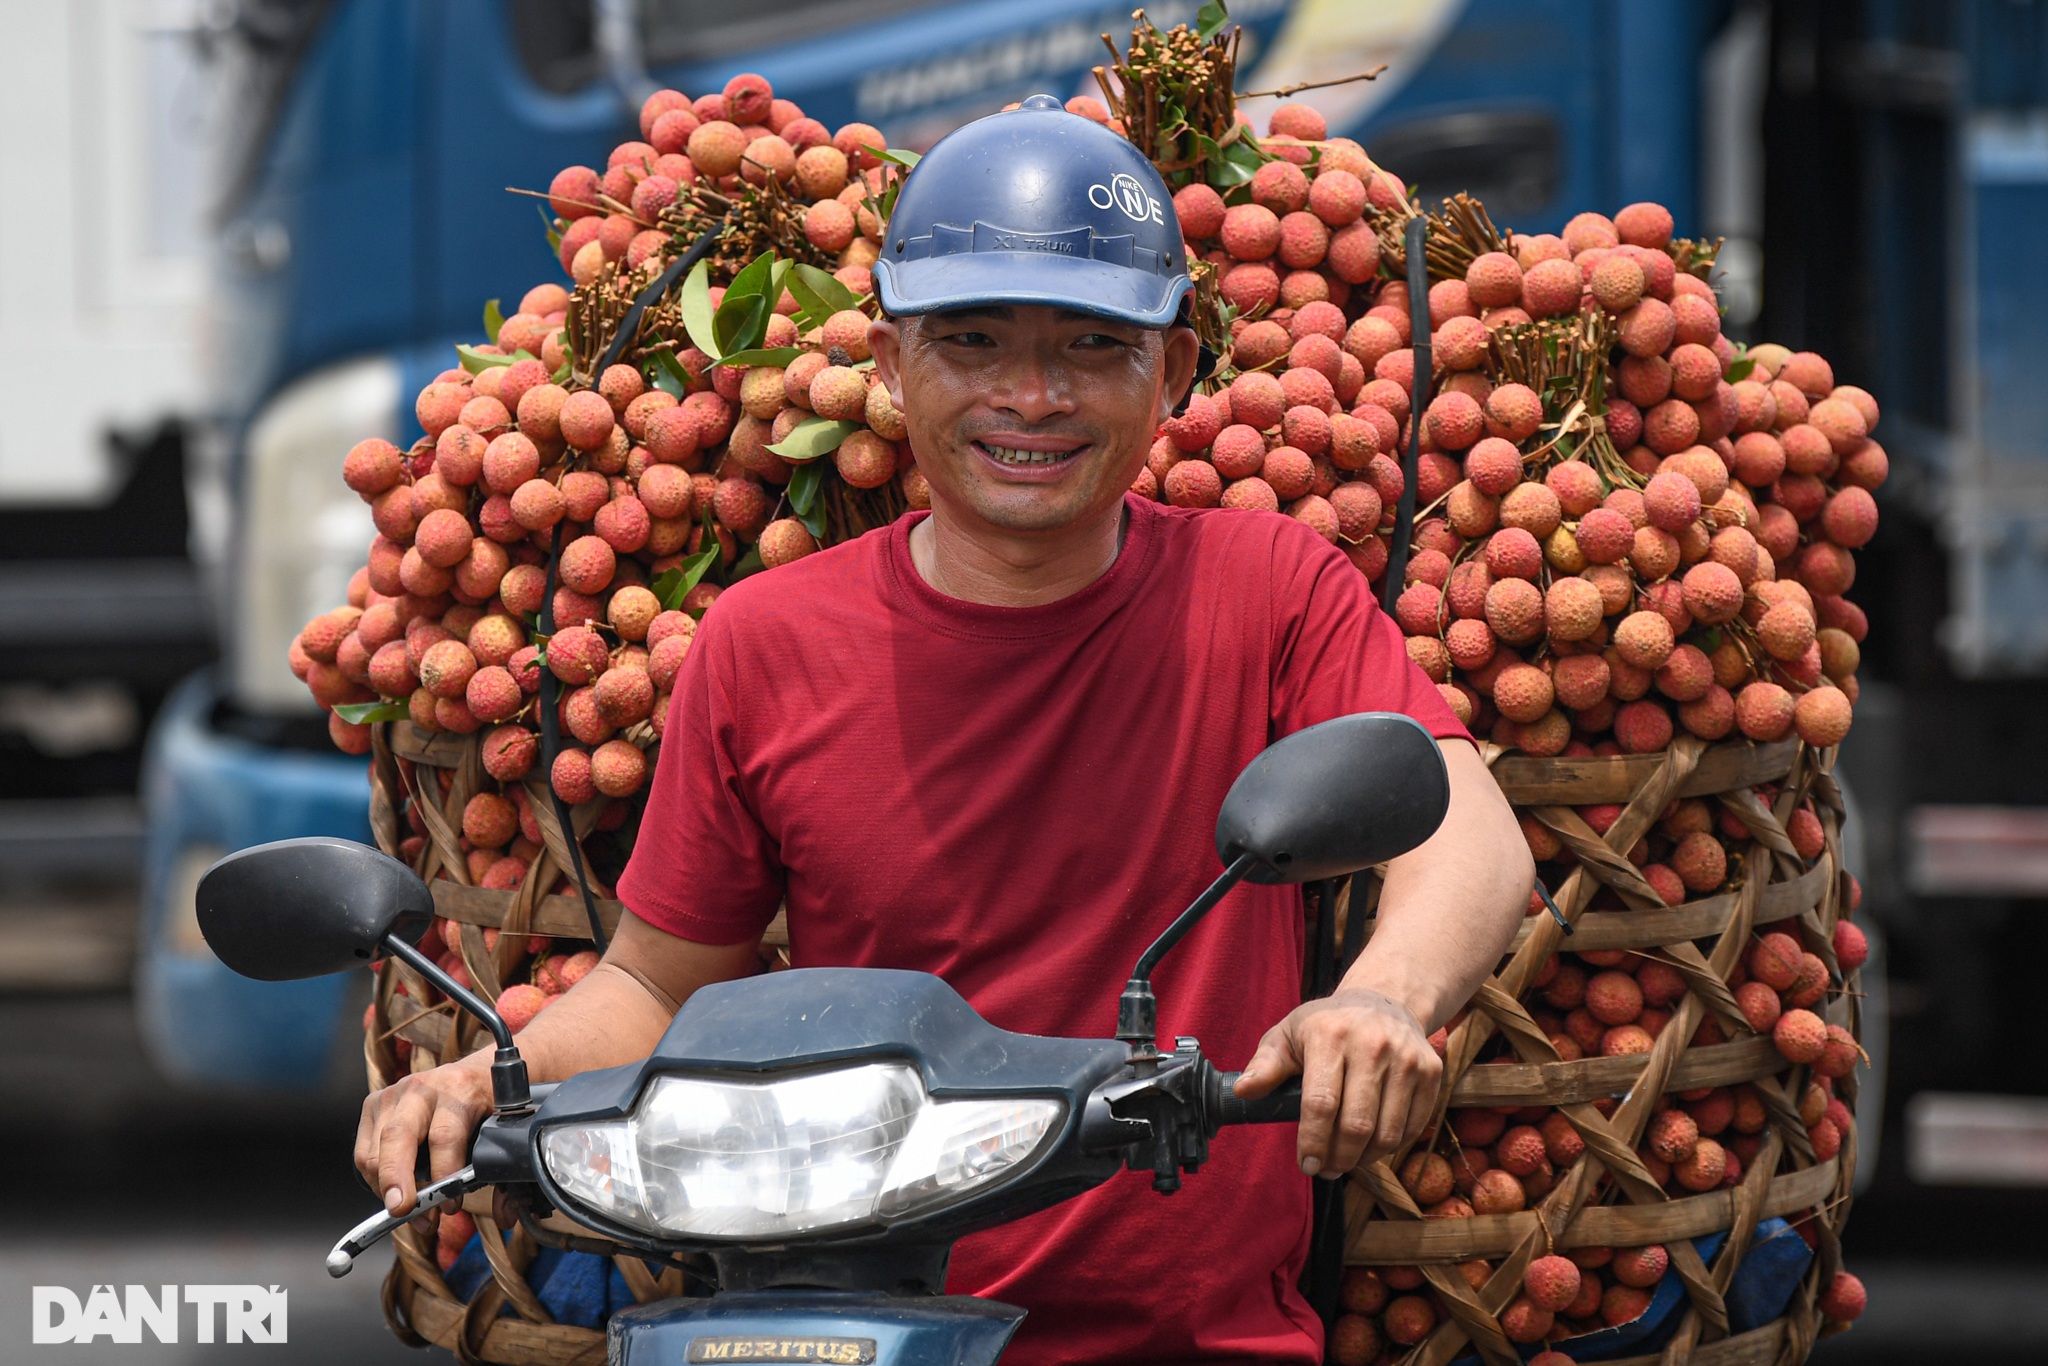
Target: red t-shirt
1019	799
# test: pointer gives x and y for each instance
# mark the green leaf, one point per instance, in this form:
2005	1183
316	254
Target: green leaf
554	233
742	317
673	585
896	156
804	484
813	437
818	296
697	309
828	288
369	713
1210	19
741	324
667	374
769	355
1230	166
1741	368
561	376
749	563
476	362
494	318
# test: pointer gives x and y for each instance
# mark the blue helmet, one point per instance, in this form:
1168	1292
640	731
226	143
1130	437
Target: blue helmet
1035	206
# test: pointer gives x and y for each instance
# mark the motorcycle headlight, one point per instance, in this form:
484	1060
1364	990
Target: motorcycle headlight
302	532
759	1161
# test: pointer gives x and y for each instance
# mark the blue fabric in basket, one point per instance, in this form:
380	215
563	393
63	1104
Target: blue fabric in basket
1762	1286
578	1288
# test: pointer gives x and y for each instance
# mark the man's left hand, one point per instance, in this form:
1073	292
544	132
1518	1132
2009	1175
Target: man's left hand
1368	1077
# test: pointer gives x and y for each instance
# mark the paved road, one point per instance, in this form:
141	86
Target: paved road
129	1180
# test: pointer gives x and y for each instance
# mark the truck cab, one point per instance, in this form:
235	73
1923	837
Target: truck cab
364	222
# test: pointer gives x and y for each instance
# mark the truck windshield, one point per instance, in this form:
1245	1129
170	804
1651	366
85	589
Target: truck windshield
254	47
555	41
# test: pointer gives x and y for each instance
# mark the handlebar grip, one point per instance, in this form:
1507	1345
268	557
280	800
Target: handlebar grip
1279	1106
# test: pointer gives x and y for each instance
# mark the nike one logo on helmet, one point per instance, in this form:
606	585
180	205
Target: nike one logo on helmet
1125	192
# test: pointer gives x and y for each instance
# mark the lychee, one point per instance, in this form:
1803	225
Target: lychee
1642	728
1712	592
1572	609
618	769
1409	1319
1843	1299
1640	1267
1801	1036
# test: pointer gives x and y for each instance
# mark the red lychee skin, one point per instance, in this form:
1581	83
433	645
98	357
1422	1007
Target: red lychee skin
1551	289
1513	553
1605	536
1775	960
1844	1299
1514	609
1513	412
1427	1177
1200	211
446	668
618	768
1613	998
1713	593
1576	485
1194	484
1672	1135
1250	232
1521	1150
1524	1321
1850	517
1852	947
1671	501
1409	1319
1640	1267
1642	728
509	752
1551	1283
1493	465
1572	609
1617	284
1764	711
1841	1054
1800	1036
570	777
1644	639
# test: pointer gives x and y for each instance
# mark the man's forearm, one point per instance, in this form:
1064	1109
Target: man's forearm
618	1013
606	1019
1449	908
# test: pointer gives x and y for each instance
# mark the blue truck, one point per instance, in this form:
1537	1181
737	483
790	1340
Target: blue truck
364	222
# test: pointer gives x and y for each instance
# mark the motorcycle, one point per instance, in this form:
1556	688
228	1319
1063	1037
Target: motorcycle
820	1137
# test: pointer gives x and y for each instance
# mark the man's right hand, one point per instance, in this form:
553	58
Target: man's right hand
613	1016
441	1107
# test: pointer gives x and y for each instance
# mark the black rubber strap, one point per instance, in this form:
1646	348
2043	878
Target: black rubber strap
550	686
551	746
1418	402
629	325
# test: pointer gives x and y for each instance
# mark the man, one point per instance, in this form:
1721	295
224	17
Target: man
990	743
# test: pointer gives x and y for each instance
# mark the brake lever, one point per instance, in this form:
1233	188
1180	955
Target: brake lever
374	1229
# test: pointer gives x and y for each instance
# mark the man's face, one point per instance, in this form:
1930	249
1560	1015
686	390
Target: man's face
1030	418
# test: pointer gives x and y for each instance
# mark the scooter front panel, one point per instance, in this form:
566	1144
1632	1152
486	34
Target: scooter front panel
859	1329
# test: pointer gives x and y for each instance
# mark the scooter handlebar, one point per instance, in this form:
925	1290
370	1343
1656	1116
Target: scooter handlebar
1279	1106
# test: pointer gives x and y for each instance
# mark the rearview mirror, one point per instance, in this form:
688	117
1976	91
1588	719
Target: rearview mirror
308	907
1335	798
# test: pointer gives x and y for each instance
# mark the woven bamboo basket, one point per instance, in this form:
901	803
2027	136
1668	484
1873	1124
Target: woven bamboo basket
419	1304
1704	940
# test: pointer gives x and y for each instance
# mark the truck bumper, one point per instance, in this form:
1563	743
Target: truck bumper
207	794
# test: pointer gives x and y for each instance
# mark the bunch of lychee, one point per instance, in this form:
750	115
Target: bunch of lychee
1564	604
1616	1003
646	468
